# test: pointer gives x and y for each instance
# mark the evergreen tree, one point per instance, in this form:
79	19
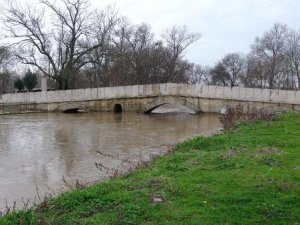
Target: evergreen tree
30	80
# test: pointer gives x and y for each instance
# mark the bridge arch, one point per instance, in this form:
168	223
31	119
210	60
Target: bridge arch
117	108
70	107
149	107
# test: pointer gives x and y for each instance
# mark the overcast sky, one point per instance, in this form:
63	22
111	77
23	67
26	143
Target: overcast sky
226	25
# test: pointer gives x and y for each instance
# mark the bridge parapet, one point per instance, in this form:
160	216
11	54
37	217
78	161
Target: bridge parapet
152	90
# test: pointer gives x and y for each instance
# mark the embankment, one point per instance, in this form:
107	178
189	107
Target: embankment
249	175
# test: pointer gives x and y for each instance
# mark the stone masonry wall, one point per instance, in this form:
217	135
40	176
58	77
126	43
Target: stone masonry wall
152	90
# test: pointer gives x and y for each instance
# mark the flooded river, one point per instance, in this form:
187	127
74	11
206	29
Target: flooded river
40	149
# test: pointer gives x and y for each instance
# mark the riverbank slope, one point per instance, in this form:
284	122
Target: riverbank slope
249	175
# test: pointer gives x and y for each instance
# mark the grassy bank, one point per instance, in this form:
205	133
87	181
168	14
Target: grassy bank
250	175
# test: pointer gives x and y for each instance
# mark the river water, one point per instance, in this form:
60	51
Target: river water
38	150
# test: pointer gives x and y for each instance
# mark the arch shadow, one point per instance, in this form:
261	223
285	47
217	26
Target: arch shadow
117	108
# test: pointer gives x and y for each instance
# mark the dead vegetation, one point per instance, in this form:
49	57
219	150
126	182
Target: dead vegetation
40	201
128	164
233	151
268	151
235	115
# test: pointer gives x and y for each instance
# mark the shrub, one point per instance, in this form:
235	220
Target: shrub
19	84
236	115
30	80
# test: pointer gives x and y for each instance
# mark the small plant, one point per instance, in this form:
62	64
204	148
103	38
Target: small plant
127	165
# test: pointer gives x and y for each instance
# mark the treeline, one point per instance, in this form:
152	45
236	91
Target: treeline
84	48
81	48
274	63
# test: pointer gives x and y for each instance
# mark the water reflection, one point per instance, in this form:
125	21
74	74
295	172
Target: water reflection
39	149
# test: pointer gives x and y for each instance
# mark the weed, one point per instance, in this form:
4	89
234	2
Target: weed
271	161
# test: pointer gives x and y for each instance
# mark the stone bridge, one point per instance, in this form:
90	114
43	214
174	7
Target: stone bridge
145	98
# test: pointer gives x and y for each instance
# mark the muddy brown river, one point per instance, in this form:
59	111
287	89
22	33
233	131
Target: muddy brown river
38	150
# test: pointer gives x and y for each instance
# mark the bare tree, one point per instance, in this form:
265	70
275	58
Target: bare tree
219	76
6	82
177	39
140	59
101	58
6	78
292	51
233	64
58	49
254	76
140	40
228	72
199	75
120	71
270	48
80	48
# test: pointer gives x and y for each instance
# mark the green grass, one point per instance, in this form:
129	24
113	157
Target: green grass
249	175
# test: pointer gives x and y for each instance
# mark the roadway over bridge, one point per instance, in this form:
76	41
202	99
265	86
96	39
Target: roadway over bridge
145	98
